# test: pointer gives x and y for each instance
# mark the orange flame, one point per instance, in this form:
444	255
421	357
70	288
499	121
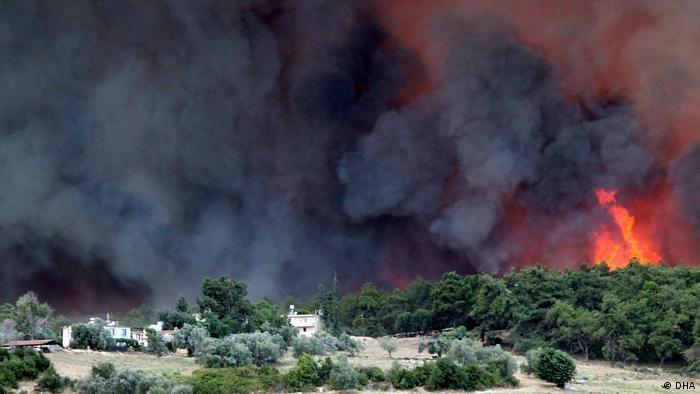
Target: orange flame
617	247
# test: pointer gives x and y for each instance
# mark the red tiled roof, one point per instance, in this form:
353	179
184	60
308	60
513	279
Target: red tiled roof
35	342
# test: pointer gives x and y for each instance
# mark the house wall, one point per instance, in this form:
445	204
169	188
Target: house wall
66	336
306	325
119	332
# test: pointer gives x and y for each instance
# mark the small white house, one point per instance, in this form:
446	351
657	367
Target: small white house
306	324
113	328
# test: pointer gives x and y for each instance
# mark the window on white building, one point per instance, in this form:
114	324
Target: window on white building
123	332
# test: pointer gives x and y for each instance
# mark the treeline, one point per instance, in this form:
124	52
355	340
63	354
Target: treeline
639	313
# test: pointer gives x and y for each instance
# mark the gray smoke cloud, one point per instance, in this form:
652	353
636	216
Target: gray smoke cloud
144	146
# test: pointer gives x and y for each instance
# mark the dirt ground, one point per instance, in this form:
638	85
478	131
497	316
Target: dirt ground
591	377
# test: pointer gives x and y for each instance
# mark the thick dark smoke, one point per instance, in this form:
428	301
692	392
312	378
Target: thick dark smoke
146	145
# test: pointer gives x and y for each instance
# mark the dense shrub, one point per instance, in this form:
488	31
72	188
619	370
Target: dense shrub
50	381
531	357
263	346
488	367
235	380
462	351
241	349
156	343
554	366
322	343
372	374
304	377
287	332
495	356
402	379
103	370
324	370
307	345
477	377
192	338
92	336
347	344
224	353
343	376
446	374
130	381
19	365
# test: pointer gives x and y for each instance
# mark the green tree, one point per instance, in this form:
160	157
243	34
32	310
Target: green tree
305	376
664	338
156	343
225	299
7	311
555	366
450	301
181	305
343	376
192	338
91	335
495	306
389	344
576	325
265	311
32	317
328	302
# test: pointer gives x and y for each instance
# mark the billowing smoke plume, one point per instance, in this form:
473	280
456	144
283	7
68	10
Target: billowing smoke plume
146	145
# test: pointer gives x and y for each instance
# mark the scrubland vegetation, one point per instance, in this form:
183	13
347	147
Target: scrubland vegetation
637	314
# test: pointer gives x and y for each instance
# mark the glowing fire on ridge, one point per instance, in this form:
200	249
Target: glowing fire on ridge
619	246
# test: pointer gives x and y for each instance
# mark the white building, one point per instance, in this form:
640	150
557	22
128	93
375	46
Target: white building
117	331
306	324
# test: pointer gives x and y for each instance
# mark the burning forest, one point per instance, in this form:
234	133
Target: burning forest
144	146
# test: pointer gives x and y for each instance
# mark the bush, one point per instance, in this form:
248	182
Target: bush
554	366
305	376
7	378
495	356
192	338
156	343
343	376
324	370
446	375
103	370
462	351
92	336
531	356
287	332
235	380
373	374
22	364
129	381
476	377
224	353
406	379
263	346
50	381
307	345
347	344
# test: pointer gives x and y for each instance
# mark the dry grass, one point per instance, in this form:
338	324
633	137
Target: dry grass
78	363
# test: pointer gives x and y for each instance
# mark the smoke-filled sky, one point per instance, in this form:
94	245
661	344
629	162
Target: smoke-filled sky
145	145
